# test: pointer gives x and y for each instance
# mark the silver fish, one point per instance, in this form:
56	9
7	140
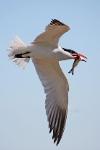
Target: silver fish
75	63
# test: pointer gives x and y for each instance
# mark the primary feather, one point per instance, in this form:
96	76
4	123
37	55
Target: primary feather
56	88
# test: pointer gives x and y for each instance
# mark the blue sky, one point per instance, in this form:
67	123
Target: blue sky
23	122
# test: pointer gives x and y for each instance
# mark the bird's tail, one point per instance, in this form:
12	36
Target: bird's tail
18	47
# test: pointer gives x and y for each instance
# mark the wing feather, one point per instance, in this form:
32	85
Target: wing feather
56	89
52	33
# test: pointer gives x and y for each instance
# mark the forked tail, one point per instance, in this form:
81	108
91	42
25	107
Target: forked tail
17	47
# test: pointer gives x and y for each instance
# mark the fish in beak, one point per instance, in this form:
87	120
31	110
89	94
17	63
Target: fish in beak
77	58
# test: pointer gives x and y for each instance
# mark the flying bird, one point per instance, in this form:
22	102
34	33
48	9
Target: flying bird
46	53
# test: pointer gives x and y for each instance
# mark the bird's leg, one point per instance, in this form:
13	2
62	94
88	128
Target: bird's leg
23	55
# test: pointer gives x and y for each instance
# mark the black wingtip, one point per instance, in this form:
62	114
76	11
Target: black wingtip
56	22
58	126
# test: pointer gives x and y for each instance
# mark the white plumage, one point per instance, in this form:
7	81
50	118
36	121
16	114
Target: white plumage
56	89
46	54
16	47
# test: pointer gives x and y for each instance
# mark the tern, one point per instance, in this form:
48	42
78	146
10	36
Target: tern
46	53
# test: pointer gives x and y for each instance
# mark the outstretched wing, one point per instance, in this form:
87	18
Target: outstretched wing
52	33
56	89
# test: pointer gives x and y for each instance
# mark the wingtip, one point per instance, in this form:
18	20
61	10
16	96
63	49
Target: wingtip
58	22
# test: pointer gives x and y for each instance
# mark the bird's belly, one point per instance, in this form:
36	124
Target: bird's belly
40	52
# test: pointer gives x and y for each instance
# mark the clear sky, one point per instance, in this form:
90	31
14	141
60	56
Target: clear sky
23	122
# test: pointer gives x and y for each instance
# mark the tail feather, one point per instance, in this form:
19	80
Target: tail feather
17	47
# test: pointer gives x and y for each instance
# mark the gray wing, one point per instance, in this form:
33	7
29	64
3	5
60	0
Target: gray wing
52	33
56	88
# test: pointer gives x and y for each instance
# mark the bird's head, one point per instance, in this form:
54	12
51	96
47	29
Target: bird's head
75	55
77	58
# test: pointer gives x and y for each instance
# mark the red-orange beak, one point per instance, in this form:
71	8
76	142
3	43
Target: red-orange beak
79	56
82	57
